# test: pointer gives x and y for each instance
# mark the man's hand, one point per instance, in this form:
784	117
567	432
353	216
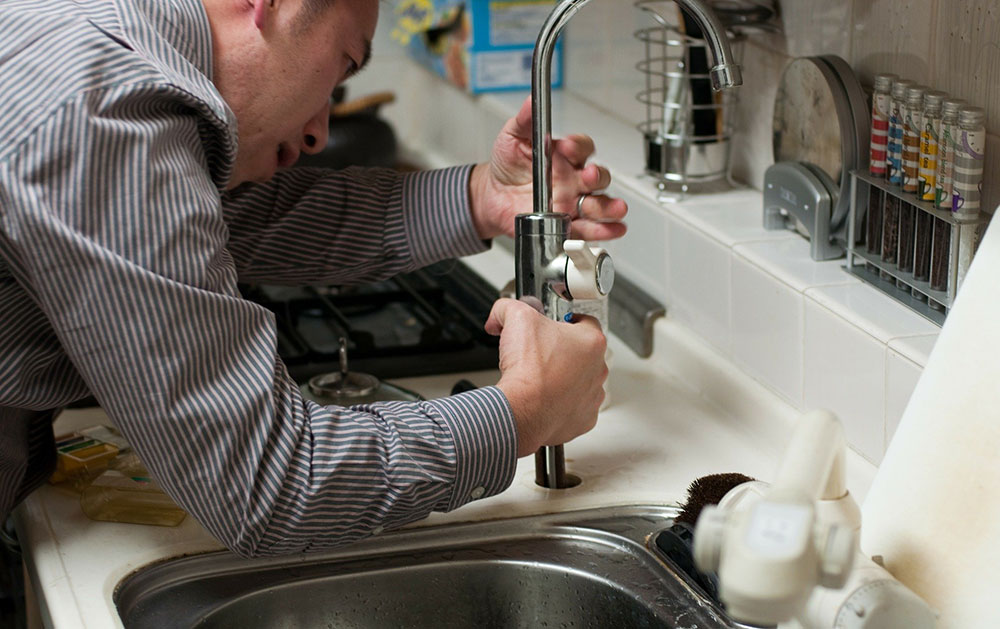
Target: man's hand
551	372
501	189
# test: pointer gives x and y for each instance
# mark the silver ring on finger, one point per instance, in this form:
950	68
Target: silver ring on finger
579	204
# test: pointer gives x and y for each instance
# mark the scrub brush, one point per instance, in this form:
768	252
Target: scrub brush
708	490
677	542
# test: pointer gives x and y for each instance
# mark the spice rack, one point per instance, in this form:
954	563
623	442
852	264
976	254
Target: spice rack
887	277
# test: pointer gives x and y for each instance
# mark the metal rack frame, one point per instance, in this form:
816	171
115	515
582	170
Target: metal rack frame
965	234
685	159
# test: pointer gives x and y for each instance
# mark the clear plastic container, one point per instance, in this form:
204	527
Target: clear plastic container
127	494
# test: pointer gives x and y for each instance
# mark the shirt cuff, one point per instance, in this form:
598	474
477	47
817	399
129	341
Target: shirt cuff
438	216
482	425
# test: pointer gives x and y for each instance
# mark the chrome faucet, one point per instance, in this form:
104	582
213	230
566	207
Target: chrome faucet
543	257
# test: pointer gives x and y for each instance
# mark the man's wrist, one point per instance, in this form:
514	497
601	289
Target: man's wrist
477	201
516	393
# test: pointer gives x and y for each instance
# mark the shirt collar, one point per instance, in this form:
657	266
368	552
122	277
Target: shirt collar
177	36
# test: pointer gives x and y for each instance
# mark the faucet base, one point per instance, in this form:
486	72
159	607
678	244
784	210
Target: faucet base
550	469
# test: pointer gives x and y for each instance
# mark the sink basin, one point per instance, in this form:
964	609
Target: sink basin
593	568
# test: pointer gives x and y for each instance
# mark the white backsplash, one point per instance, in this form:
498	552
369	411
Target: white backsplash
810	332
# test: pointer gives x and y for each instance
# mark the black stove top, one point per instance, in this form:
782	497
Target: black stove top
426	322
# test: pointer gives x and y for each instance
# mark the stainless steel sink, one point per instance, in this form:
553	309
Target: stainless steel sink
593	568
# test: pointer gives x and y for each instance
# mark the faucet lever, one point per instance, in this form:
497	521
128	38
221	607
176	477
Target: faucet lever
590	272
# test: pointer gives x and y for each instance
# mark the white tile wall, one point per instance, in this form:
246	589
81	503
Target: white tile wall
845	373
901	376
916	348
872	311
788	260
699	272
730	218
767	329
640	256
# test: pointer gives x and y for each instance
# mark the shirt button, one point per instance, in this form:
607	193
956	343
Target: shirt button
377	530
478	492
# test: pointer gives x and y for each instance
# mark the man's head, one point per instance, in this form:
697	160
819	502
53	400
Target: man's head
276	63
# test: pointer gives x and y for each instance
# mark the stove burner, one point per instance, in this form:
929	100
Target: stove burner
425	322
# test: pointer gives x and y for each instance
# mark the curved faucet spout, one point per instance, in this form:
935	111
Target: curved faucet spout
726	73
540	236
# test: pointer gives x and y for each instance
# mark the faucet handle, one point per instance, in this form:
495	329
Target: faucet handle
836	547
590	272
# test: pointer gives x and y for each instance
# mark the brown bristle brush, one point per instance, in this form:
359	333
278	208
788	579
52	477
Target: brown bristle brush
708	490
677	542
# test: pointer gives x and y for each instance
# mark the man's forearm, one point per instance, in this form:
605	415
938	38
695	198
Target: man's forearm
350	226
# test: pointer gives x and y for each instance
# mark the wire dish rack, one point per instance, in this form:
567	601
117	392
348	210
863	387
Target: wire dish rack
688	128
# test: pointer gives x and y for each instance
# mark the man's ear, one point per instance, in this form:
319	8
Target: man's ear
261	8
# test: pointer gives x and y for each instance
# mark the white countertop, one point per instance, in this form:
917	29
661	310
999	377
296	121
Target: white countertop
684	413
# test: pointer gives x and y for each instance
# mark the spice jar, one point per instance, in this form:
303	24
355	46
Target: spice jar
970	153
913	109
881	105
894	174
946	152
941	241
912	114
930	132
894	146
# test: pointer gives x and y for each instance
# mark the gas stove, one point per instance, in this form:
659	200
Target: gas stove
425	322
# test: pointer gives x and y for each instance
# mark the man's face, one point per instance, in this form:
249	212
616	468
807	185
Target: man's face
279	82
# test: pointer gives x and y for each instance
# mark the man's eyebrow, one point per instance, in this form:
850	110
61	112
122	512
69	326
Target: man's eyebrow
364	60
367	57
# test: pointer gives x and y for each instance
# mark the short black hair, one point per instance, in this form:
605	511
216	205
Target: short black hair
312	9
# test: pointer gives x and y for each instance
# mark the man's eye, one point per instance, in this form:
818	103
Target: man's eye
352	67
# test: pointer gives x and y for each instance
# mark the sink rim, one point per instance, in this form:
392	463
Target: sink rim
627	530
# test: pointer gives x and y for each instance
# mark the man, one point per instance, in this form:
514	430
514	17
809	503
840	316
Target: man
142	156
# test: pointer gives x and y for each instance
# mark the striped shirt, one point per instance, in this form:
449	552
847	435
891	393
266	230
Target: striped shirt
119	260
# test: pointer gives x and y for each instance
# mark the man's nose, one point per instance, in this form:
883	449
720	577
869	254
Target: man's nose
316	131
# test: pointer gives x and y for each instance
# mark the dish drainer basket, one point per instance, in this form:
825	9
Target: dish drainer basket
687	133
